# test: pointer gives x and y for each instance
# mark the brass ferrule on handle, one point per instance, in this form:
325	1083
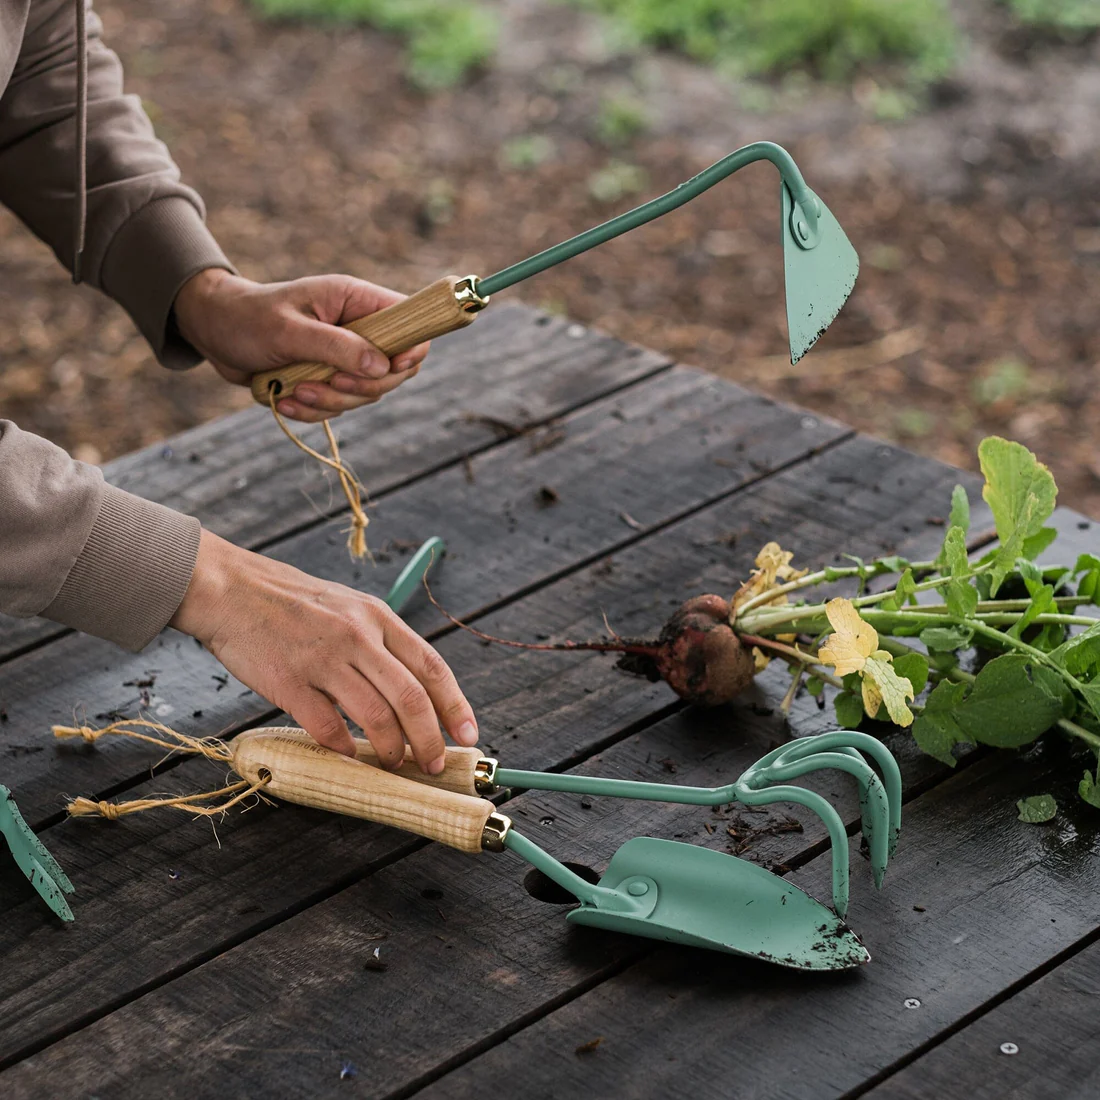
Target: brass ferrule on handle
495	832
447	304
485	776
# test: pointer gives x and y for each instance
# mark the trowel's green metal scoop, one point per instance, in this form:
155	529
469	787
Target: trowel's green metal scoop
679	893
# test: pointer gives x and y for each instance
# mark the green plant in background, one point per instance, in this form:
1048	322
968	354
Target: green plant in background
1060	15
620	119
527	151
617	180
443	41
832	36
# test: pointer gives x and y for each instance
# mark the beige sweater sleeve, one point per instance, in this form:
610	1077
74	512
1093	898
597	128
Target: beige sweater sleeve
83	553
145	231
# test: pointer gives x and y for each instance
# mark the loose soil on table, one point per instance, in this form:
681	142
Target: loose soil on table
977	221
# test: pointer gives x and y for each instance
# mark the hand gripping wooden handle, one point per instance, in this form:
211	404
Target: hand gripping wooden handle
457	775
447	304
304	772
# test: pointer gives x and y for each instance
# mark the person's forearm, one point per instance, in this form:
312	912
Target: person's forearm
83	553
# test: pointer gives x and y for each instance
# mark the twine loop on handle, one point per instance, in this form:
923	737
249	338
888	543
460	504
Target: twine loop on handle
352	486
210	747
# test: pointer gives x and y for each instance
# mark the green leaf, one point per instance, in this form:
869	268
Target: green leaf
935	731
1011	703
1037	543
1037	809
946	639
893	563
905	591
1088	567
914	667
960	510
1080	655
958	520
815	685
852	683
961	596
1089	789
1021	492
849	710
1042	597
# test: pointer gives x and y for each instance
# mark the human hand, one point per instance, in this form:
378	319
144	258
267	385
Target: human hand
310	646
243	327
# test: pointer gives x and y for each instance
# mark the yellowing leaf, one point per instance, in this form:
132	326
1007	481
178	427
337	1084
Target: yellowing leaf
881	684
854	641
773	566
759	660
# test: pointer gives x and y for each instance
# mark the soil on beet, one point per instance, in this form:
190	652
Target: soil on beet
978	221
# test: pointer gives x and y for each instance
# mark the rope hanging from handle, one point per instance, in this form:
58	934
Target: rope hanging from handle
353	488
210	747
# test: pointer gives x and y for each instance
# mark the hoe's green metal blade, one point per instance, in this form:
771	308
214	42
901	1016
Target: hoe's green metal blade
820	268
412	576
696	896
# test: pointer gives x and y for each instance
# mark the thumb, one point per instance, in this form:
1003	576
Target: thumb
322	721
310	340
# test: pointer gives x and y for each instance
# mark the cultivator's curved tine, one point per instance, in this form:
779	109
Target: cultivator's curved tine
838	837
879	799
862	742
874	805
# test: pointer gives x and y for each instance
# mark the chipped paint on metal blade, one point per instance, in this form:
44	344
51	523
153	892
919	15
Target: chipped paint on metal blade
818	280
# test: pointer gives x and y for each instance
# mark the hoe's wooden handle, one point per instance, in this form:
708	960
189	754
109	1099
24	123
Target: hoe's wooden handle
433	311
457	775
302	771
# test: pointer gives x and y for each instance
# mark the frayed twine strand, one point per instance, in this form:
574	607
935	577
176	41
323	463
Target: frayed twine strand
209	747
353	488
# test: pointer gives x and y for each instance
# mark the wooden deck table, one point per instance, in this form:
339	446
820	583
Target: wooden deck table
229	962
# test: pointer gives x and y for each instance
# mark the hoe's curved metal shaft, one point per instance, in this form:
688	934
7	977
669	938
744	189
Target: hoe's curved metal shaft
808	206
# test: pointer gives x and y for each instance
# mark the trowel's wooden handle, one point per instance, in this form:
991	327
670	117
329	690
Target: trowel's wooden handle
457	775
431	312
302	771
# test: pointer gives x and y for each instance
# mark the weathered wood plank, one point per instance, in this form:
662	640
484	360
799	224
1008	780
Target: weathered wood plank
543	696
659	449
240	476
1052	1023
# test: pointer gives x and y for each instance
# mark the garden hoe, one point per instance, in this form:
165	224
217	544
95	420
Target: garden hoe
820	268
656	888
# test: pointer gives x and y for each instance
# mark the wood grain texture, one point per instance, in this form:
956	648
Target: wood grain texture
518	369
299	770
1052	1022
660	449
429	313
537	710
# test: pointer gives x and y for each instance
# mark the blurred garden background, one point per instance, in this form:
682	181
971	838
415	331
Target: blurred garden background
957	142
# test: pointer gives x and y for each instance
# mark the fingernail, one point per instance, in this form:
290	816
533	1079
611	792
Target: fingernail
288	408
307	397
467	734
376	366
437	765
343	383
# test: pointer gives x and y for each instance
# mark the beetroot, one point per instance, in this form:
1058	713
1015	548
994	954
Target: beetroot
697	653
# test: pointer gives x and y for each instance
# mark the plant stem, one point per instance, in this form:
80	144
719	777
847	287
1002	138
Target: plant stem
792	654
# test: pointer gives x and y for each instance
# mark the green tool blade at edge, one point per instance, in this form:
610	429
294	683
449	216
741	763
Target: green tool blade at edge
818	280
